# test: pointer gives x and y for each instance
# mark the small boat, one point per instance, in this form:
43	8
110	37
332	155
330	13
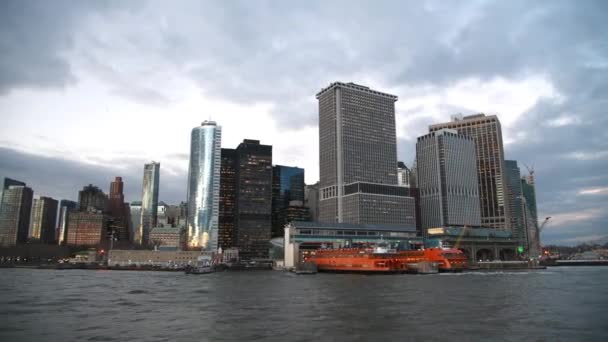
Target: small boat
203	265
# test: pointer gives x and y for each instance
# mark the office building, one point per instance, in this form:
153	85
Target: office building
227	215
358	158
43	219
149	202
135	213
204	187
88	228
246	201
15	215
487	135
515	200
92	197
5	185
447	179
119	211
287	186
311	200
530	215
65	207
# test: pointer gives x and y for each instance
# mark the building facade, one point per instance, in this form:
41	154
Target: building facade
487	135
166	238
92	197
119	211
403	174
227	215
149	201
515	200
135	214
15	215
358	153
311	200
88	228
44	218
65	207
253	219
204	187
447	178
287	186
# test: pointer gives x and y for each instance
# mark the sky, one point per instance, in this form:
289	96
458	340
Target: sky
90	90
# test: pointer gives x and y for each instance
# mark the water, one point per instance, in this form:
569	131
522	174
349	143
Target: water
77	305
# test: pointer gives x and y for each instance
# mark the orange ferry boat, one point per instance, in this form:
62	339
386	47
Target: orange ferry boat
383	260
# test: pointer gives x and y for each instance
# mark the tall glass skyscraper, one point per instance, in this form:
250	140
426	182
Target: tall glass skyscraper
287	186
149	201
204	186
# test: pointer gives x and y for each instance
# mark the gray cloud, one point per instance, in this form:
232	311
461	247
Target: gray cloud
62	179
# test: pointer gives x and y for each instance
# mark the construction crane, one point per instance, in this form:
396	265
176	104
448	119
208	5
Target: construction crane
530	173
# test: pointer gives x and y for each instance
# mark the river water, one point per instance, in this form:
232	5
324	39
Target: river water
559	304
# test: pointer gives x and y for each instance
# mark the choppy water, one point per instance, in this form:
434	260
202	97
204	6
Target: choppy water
76	305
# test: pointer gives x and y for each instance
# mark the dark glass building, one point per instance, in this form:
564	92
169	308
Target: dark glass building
227	198
287	185
92	196
119	211
516	201
251	193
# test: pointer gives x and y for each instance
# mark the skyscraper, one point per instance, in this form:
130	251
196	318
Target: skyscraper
447	179
246	199
487	134
227	215
92	197
65	207
253	199
135	211
287	186
358	158
149	201
15	214
515	200
6	183
204	186
118	211
44	218
311	200
403	174
88	228
530	215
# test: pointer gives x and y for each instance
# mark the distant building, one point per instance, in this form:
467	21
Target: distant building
403	174
516	202
169	215
88	228
530	216
92	197
15	215
149	202
287	186
487	134
358	158
119	211
246	200
165	237
295	211
311	200
135	211
5	185
44	218
204	187
65	207
447	179
227	215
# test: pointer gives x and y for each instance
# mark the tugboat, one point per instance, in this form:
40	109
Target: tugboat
204	265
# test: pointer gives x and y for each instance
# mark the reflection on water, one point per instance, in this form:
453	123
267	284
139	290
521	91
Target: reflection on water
78	305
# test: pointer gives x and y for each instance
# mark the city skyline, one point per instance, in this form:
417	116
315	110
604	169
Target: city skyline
550	111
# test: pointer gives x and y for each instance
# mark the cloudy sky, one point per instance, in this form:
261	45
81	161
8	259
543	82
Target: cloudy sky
92	90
